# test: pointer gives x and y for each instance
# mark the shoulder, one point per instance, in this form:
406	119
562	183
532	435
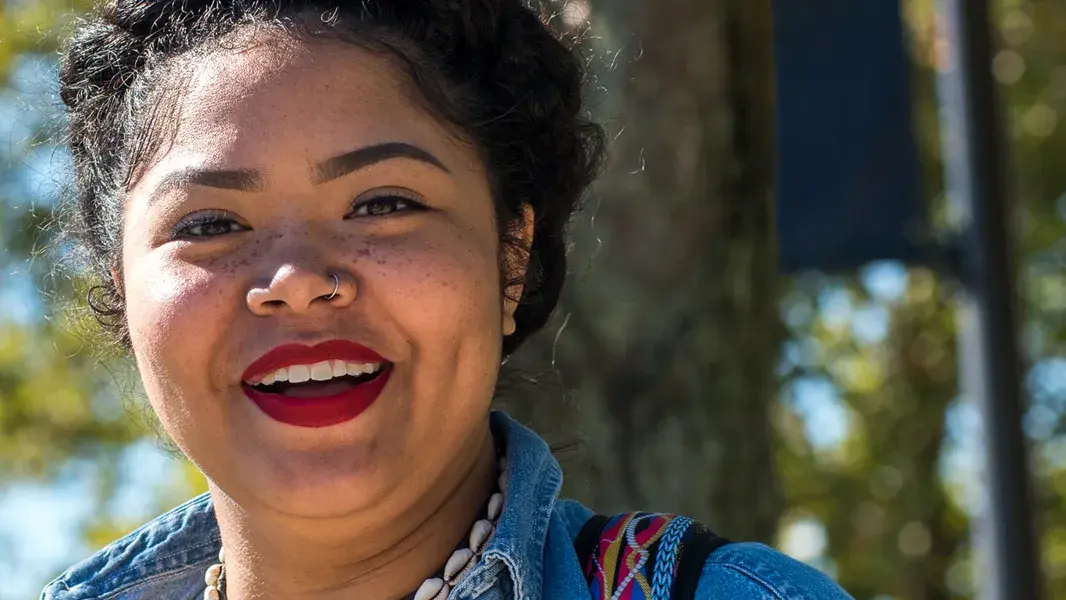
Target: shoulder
163	558
751	571
611	547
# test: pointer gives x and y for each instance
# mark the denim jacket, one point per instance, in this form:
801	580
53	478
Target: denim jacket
531	555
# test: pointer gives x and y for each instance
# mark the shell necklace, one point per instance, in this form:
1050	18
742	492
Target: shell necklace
462	561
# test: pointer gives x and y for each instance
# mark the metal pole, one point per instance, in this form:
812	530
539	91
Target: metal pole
978	183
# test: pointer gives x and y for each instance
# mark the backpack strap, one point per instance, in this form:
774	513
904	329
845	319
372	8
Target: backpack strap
644	556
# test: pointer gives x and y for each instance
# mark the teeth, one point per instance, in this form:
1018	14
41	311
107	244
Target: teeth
320	371
299	373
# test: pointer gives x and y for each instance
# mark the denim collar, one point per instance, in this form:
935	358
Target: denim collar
534	480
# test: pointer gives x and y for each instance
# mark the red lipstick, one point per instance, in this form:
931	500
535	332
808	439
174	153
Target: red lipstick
316	411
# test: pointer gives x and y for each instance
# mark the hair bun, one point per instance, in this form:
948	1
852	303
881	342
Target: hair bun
146	18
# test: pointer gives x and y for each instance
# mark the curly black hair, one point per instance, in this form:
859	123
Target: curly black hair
492	69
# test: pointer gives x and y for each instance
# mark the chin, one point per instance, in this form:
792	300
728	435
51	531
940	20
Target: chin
313	472
328	485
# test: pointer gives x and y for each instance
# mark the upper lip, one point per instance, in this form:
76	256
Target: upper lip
299	354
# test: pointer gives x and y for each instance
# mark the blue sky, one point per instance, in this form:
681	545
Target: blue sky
39	523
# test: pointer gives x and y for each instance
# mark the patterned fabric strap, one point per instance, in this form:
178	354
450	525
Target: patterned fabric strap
644	556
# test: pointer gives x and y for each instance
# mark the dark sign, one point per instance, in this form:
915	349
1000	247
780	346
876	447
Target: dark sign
848	179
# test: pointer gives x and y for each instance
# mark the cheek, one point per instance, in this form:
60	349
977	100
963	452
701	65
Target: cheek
439	287
175	311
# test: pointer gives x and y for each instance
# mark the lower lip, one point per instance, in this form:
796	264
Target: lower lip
322	411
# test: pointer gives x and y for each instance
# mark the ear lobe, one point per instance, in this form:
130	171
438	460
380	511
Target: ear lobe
517	262
116	278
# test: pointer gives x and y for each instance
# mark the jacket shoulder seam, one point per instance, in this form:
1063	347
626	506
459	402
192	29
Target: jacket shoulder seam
111	594
117	577
754	577
162	574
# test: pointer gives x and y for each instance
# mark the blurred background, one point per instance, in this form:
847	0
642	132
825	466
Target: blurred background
758	331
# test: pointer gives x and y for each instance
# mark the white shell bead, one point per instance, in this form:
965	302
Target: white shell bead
211	576
222	554
495	506
479	534
503	483
457	565
432	589
211	593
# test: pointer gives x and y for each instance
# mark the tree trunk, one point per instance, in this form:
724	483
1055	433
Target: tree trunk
668	333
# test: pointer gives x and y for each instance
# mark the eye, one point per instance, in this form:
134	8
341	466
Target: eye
386	203
206	225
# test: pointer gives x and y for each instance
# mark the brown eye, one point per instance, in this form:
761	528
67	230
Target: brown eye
207	225
385	205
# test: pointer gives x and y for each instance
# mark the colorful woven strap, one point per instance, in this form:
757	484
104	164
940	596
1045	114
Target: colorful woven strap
644	556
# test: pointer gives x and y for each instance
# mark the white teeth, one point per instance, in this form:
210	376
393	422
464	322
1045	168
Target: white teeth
322	371
299	373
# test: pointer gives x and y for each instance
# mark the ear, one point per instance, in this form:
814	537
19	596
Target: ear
517	261
116	278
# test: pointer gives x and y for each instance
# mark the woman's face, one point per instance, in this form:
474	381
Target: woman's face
280	168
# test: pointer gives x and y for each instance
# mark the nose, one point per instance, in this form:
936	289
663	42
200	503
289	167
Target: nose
297	289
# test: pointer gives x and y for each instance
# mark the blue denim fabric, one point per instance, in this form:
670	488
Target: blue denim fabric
531	555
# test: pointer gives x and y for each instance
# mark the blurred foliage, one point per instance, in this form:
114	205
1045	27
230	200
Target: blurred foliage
69	412
57	402
896	494
34	26
893	494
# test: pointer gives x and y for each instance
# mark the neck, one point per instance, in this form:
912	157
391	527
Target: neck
270	555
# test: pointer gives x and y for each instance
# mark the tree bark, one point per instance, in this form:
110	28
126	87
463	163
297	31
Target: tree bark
668	333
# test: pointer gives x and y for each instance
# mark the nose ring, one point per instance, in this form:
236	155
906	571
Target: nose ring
336	286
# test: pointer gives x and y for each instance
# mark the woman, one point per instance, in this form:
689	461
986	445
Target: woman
319	227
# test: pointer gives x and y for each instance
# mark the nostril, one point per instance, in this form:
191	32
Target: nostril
297	289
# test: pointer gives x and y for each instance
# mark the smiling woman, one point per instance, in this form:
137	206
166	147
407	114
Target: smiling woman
319	228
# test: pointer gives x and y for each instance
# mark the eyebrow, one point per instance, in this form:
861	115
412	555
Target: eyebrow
250	180
244	180
346	163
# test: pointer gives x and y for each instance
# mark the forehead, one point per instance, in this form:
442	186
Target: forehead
273	105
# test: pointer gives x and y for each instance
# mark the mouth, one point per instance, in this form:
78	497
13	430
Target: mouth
316	386
325	378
